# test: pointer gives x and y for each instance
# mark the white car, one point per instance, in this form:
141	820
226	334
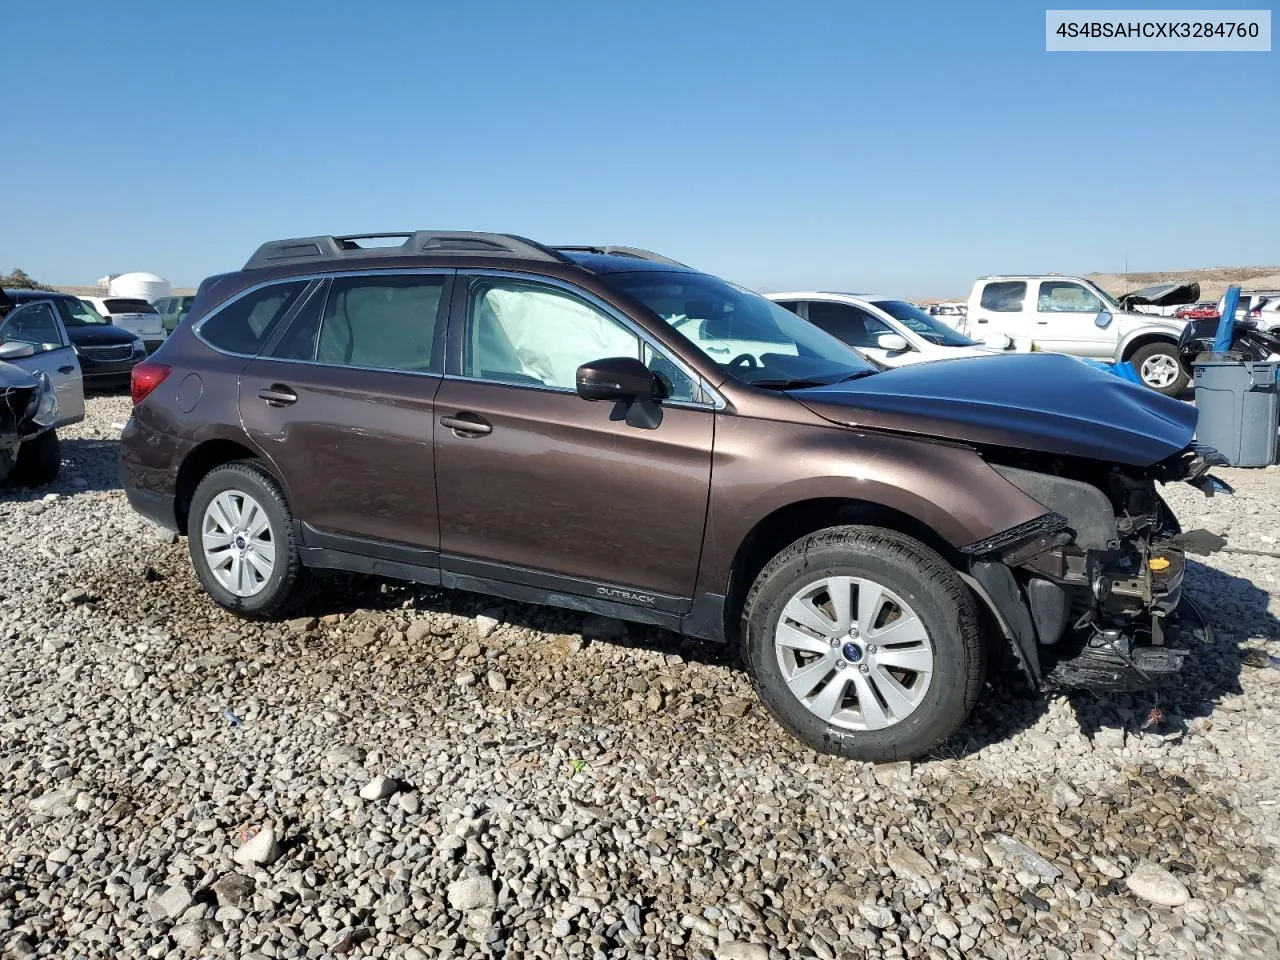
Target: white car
888	329
132	314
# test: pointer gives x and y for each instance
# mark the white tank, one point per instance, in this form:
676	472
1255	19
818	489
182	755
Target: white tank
139	286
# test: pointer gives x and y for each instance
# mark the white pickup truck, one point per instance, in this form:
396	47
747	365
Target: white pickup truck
1075	316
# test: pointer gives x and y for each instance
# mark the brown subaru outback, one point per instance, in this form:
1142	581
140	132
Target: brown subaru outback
605	429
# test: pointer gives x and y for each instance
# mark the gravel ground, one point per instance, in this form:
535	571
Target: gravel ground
407	773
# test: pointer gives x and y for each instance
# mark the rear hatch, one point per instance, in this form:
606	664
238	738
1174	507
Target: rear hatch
136	316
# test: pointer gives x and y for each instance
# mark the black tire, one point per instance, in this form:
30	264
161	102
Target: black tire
38	461
926	583
1145	353
289	582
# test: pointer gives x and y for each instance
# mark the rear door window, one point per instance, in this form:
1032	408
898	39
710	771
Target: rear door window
244	325
381	322
1004	296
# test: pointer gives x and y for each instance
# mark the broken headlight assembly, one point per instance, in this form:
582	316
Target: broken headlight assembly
43	408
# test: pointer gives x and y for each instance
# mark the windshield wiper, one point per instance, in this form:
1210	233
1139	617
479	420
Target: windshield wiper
793	384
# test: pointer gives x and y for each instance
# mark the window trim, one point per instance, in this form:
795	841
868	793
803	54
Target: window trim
459	324
322	279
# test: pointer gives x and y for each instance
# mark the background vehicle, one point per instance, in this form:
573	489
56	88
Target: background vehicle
172	310
891	331
33	338
1204	310
1074	316
1249	302
137	316
483	412
105	353
29	453
1249	341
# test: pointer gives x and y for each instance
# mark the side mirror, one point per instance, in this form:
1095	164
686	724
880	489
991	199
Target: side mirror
616	378
1103	319
997	341
13	350
892	342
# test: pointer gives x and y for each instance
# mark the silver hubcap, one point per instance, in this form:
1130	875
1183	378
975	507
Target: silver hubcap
854	653
237	541
1159	371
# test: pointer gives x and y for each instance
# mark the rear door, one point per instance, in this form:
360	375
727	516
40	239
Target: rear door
1065	320
342	399
37	324
1002	308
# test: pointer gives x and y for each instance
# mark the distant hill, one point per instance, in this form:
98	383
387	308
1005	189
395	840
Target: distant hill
1213	280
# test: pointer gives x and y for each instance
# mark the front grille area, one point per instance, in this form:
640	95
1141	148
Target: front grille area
109	354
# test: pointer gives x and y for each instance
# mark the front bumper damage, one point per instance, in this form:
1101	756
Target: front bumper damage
1090	593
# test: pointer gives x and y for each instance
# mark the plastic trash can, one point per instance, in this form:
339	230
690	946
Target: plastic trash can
1239	408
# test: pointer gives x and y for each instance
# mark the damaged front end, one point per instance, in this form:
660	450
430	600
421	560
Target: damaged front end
1090	594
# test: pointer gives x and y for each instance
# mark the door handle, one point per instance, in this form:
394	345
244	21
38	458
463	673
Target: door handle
1042	323
982	321
467	425
67	369
278	395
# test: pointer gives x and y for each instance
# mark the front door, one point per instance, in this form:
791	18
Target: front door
1065	321
37	324
342	400
541	487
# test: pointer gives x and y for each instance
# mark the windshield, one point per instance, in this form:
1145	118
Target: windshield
77	313
750	338
923	325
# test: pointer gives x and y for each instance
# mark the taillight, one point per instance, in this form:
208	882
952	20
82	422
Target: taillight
145	378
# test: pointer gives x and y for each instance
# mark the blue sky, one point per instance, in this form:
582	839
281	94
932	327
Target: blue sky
906	148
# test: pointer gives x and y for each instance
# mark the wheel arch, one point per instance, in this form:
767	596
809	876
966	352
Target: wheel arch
200	461
787	524
1137	341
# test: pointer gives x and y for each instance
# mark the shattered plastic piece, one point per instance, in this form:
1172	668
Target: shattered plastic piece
1026	859
232	718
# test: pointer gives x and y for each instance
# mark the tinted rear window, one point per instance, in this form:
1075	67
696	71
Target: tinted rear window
1004	296
117	305
244	325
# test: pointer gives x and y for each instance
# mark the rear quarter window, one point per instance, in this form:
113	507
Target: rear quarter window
1004	296
245	325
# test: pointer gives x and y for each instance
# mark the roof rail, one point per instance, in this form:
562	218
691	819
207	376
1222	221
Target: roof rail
638	252
416	243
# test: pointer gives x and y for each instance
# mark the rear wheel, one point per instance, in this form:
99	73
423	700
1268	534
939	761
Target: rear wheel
1159	368
864	643
241	537
38	461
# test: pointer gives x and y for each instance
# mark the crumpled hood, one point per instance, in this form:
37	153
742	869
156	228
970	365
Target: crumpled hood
1037	401
1163	295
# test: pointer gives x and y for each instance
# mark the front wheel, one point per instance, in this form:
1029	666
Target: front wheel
38	462
864	643
1160	369
241	537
